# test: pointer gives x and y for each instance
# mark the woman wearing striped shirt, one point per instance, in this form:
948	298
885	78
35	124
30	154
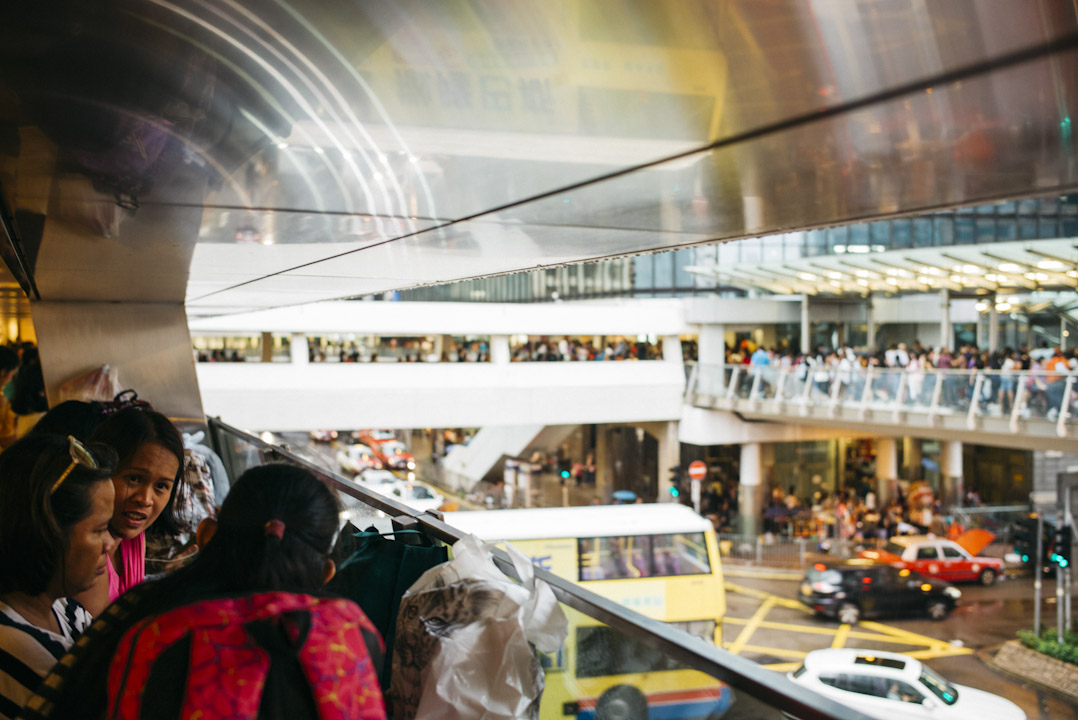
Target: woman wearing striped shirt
56	500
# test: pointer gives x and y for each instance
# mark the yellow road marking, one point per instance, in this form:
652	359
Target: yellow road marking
922	646
750	627
841	634
773	575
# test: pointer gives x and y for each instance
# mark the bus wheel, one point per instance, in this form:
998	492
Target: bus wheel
621	702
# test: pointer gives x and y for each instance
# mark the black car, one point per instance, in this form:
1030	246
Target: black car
854	589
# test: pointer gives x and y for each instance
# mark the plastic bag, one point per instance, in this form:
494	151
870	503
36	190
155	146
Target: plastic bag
101	384
466	639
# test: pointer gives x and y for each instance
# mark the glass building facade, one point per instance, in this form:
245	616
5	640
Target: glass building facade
666	274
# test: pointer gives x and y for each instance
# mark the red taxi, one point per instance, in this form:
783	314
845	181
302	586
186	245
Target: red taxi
394	455
952	560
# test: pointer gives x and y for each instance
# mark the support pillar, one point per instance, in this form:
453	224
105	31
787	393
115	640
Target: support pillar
712	345
267	347
911	453
870	324
951	490
671	345
806	327
669	457
946	334
499	349
299	349
750	493
604	465
1062	333
993	327
886	470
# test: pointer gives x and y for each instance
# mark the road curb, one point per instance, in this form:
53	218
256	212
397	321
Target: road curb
988	657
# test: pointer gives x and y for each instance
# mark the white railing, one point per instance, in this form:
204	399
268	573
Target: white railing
1016	396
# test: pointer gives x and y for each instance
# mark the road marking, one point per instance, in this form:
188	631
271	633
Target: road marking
841	634
766	575
743	637
915	645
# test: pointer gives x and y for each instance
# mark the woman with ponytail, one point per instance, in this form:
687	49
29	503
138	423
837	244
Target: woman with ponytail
55	504
242	628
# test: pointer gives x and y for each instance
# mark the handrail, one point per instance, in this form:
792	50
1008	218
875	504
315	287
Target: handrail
737	672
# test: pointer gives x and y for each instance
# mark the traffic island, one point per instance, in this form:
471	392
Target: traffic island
1038	669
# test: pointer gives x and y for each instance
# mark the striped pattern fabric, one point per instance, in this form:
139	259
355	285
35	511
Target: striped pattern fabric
28	653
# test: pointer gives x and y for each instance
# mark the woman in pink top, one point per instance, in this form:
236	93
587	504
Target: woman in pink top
150	452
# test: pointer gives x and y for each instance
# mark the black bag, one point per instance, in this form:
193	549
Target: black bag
377	573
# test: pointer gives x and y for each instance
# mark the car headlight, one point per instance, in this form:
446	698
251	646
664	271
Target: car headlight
952	592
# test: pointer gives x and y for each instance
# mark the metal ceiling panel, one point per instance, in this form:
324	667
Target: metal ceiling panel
388	144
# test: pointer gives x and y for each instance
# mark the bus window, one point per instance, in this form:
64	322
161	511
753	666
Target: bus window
680	554
611	558
602	651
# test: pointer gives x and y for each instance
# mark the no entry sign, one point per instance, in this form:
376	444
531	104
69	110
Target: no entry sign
697	470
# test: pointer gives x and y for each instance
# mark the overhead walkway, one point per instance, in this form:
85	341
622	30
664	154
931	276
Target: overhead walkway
968	405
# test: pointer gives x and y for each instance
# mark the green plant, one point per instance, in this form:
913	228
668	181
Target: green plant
1048	644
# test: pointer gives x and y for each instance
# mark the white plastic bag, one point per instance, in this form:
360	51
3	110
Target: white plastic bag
466	640
100	384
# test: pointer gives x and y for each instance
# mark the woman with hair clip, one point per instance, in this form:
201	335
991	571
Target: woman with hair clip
55	504
149	453
241	628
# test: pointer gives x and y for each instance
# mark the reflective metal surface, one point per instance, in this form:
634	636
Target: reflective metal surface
316	150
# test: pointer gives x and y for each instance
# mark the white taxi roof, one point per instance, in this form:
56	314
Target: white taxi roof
846	659
586	521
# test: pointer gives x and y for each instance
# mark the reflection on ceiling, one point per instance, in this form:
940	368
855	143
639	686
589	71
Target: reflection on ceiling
237	155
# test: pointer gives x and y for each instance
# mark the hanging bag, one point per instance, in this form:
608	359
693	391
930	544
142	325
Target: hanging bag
466	639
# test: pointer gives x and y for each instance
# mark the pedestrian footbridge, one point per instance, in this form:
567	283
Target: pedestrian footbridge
1022	409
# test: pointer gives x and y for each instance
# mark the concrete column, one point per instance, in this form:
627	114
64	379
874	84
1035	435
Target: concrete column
672	349
499	349
911	452
951	490
301	353
750	494
604	465
669	456
886	469
267	347
870	324
1062	333
711	345
946	334
805	325
993	326
979	336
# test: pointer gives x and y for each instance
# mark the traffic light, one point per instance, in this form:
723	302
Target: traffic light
1061	547
675	481
1025	538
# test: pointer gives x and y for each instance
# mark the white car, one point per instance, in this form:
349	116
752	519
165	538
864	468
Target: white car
418	497
356	458
380	481
890	686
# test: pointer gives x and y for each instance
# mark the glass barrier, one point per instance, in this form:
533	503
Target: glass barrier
615	662
1015	395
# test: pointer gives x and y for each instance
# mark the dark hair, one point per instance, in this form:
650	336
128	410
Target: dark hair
34	521
29	392
9	359
72	417
128	430
246	555
243	556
